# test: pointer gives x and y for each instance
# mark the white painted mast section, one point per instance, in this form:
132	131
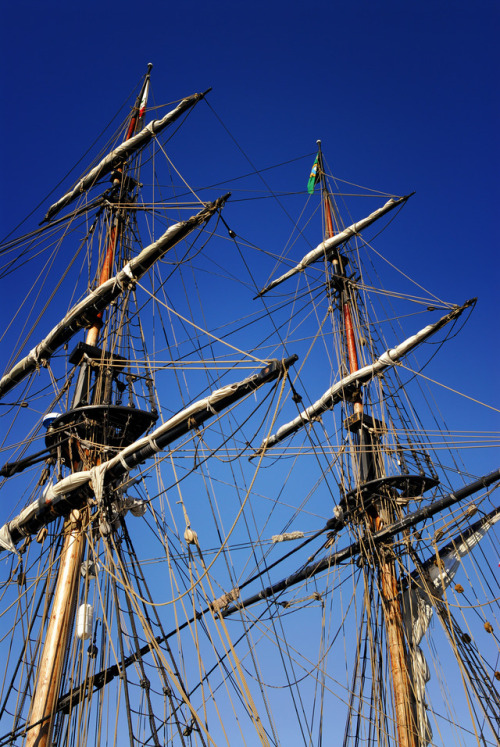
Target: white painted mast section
325	249
337	392
122	152
84	312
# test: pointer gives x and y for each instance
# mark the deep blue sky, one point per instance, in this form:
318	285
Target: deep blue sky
404	97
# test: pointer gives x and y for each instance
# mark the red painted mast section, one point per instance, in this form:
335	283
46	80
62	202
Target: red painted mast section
346	308
136	121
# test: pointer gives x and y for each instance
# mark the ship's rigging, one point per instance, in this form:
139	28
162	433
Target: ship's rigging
170	610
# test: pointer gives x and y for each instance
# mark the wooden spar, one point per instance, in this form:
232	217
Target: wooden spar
395	642
62	616
391	606
57	637
378	539
393	619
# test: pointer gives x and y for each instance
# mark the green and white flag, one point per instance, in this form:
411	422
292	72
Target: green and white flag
313	176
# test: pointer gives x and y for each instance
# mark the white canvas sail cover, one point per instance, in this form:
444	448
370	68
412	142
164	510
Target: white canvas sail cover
122	152
337	392
326	248
209	405
82	314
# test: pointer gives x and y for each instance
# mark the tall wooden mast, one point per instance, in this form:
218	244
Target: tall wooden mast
62	616
368	465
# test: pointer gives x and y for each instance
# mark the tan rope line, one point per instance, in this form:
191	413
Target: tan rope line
455	391
397	294
394	267
231	530
155	646
160	146
234	660
449	631
202	363
321	669
200	329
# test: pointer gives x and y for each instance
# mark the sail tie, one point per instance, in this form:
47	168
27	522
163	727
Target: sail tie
122	461
6	540
122	281
287	536
190	535
223	601
97	475
34	354
338	513
153	443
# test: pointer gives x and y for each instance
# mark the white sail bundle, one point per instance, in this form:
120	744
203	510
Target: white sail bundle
84	312
326	248
122	152
338	391
186	419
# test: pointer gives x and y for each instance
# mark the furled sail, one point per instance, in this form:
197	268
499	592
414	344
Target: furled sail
122	152
45	509
84	312
325	249
338	391
418	604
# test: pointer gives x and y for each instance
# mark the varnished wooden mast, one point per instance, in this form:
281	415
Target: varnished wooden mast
388	579
62	616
